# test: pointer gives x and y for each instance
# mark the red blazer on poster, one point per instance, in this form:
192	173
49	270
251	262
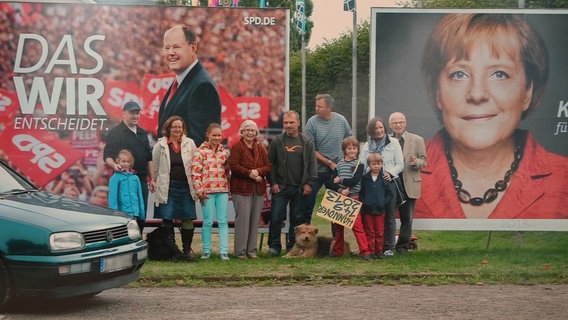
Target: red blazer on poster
538	189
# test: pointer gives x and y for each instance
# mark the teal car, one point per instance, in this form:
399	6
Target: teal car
57	247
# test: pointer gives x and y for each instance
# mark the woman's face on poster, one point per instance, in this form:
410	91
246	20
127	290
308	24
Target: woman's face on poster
483	96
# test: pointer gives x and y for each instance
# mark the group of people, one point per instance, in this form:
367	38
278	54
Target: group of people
385	173
175	169
327	154
295	165
189	164
183	174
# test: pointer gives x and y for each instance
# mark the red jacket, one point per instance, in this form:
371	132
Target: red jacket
242	162
538	189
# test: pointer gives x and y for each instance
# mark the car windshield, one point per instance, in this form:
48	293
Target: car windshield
11	183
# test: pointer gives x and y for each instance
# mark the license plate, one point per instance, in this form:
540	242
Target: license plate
116	263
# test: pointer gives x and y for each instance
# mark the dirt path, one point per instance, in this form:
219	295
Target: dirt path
456	302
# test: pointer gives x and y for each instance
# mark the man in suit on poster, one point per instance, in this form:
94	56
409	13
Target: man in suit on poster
414	154
193	94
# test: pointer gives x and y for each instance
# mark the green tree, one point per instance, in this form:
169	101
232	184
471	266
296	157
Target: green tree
328	70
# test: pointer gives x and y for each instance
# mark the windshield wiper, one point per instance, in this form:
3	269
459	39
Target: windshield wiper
16	191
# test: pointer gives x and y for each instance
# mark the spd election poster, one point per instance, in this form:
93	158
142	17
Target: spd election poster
68	69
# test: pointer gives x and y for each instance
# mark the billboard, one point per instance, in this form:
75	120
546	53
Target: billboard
67	70
486	89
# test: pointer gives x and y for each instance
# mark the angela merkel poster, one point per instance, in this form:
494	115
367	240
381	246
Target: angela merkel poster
486	89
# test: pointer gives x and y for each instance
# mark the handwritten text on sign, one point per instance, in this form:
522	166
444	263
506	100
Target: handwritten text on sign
338	208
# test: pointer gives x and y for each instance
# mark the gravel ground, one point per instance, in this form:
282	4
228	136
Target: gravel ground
454	302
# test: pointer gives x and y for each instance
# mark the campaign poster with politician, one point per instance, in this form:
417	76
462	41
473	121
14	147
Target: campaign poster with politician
486	89
68	69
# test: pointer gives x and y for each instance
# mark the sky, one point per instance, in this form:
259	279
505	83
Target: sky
330	21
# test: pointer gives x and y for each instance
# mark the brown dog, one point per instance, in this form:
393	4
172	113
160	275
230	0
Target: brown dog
309	244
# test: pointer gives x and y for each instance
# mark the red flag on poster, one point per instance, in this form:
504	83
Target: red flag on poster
117	93
154	89
254	108
40	155
229	114
238	109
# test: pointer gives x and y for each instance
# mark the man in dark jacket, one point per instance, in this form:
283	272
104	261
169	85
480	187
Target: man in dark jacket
294	169
193	95
128	135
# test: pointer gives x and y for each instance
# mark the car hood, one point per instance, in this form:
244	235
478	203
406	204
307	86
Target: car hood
57	213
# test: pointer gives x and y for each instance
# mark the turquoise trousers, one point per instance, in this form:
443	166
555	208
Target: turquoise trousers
216	204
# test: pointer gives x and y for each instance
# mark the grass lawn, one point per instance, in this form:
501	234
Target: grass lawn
443	257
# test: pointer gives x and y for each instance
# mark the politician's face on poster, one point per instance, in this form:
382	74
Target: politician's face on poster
485	90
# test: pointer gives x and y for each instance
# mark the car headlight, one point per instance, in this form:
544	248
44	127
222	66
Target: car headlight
66	241
133	230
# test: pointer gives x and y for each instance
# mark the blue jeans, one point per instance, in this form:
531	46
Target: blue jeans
390	220
294	196
324	178
216	203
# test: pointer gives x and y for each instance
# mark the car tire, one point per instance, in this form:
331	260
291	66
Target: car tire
6	290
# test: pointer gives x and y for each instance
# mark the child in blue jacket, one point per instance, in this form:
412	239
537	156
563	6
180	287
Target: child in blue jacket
374	194
125	191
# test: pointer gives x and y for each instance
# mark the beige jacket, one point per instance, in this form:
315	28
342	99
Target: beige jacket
161	158
413	146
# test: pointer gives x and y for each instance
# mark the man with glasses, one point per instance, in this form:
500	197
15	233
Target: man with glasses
193	94
414	154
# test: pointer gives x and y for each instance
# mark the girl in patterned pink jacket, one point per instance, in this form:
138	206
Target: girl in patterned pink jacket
210	175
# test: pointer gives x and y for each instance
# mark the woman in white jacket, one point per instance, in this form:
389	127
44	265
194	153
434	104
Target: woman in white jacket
174	194
379	141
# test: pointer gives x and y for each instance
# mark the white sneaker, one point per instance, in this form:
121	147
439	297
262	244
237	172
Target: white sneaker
205	256
387	254
225	257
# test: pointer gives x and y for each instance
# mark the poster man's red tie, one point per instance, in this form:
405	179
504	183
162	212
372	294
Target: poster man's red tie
173	91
